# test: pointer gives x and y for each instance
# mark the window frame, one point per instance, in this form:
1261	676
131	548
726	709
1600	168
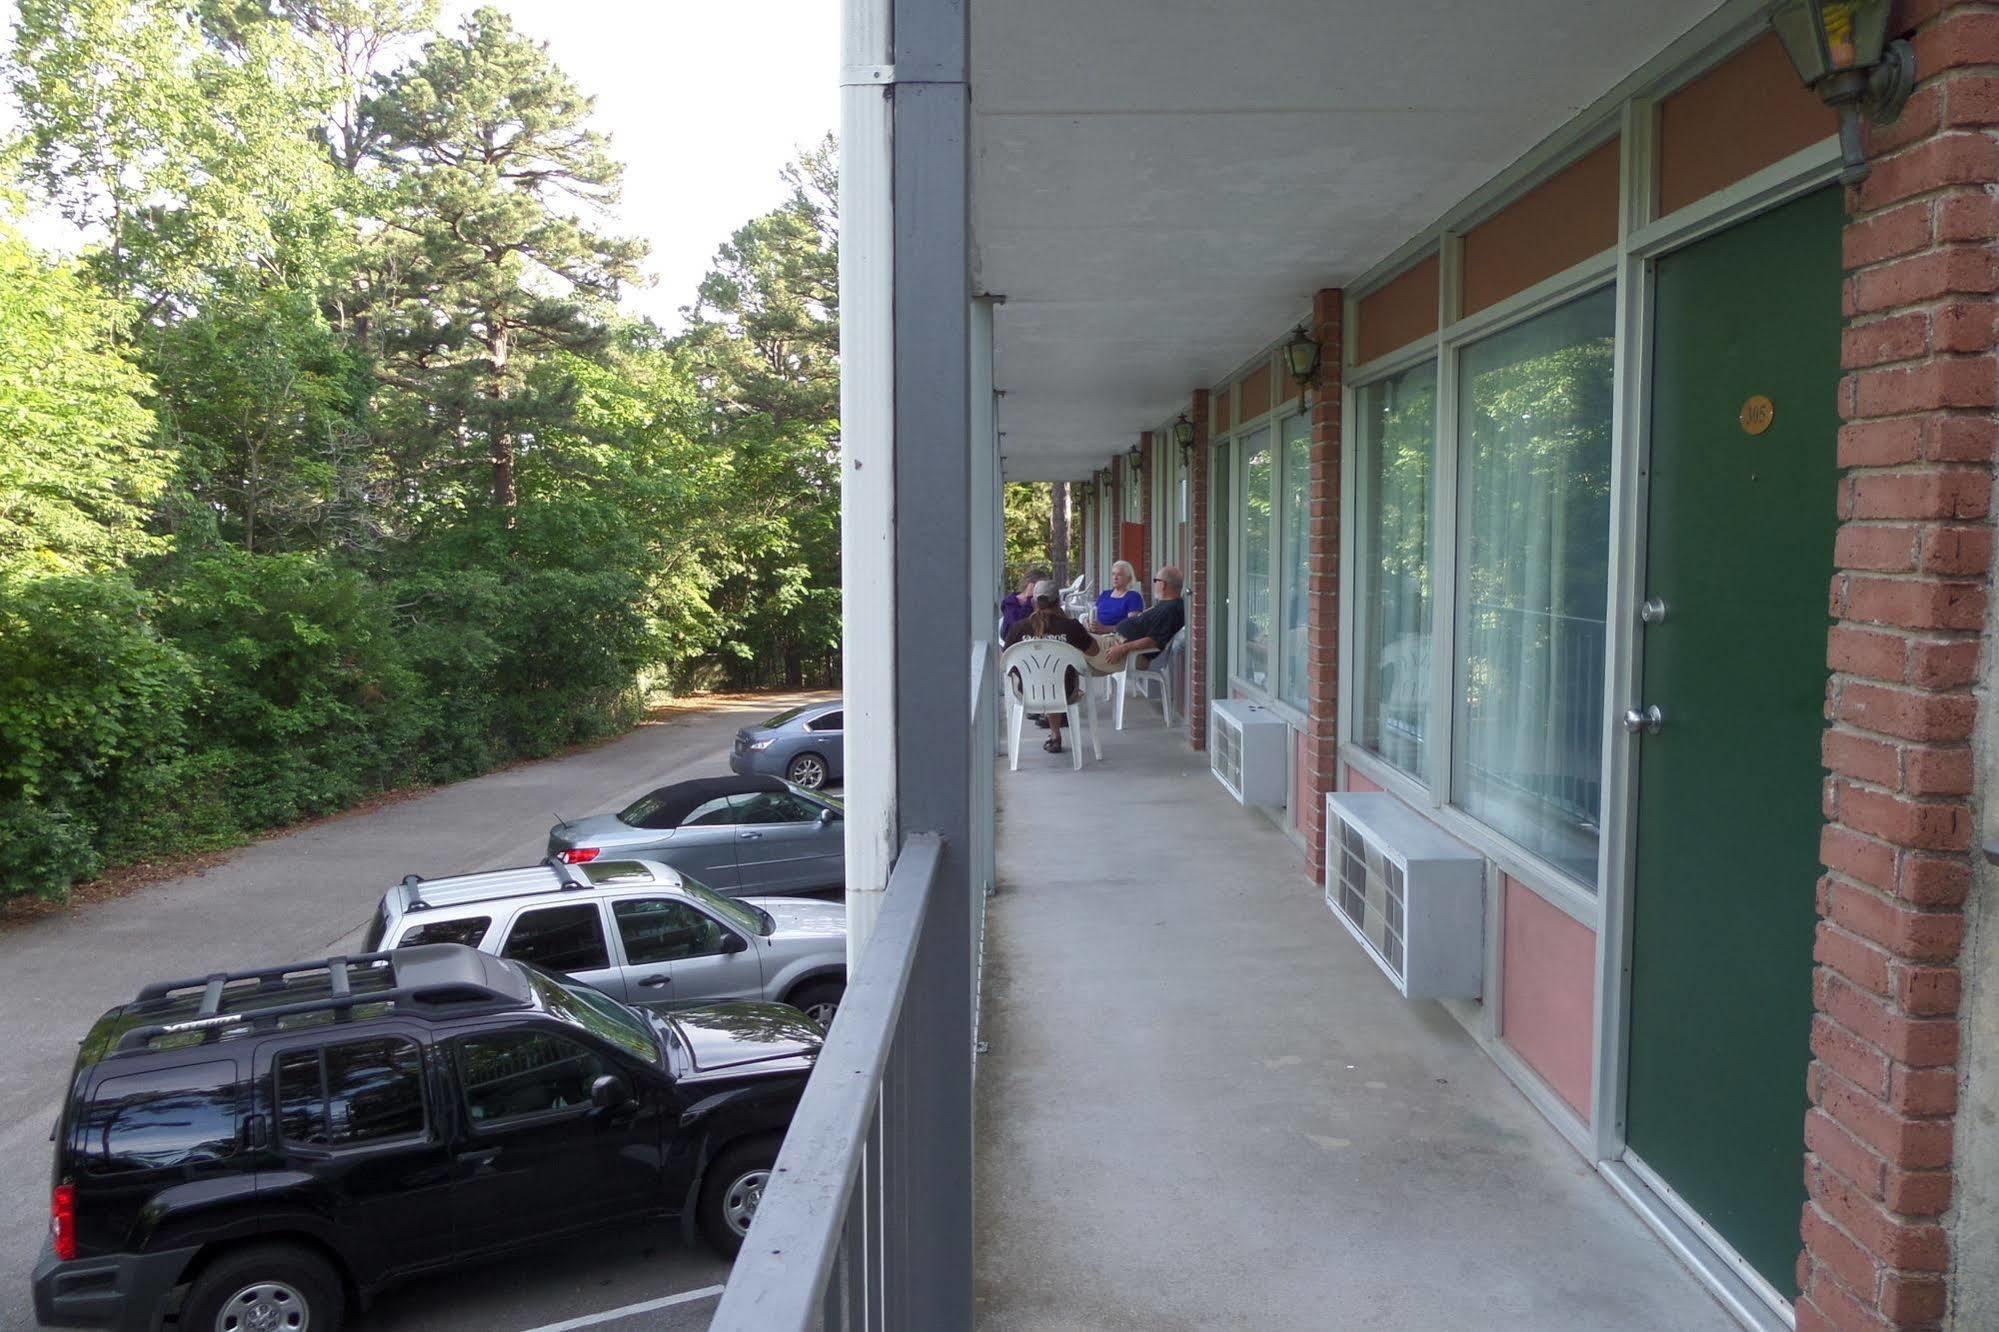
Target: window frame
625	958
1272	693
543	1030
272	1056
604	931
1580	900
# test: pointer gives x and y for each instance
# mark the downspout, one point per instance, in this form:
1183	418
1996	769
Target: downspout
867	440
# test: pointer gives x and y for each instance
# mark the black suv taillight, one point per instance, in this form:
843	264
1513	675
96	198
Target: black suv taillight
62	1220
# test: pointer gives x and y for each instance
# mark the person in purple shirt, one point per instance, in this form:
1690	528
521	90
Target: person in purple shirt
1118	600
1020	605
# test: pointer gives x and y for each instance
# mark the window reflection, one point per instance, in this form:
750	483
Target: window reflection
168	1119
1256	526
1534	518
1396	426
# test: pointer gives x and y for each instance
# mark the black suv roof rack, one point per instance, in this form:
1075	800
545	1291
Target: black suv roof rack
568	874
437	980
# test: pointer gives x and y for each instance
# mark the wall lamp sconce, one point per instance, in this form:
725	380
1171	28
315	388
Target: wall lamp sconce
1183	438
1841	50
1134	456
1301	356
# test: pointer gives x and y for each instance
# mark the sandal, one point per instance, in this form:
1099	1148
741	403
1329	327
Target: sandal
1052	745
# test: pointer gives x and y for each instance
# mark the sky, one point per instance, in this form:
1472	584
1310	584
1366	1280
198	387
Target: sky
704	100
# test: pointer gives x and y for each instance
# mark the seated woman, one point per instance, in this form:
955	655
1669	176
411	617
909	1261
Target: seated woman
1118	600
1048	621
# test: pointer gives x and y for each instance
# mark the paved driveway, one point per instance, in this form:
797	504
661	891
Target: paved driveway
308	894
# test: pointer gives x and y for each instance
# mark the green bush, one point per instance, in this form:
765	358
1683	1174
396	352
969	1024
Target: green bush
91	699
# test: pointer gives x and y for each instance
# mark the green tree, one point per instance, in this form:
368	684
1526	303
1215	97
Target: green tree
172	131
1027	509
80	468
763	340
490	149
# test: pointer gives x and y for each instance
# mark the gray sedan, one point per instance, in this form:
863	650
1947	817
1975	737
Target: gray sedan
806	746
738	835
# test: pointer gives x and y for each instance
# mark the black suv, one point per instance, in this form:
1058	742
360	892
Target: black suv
275	1146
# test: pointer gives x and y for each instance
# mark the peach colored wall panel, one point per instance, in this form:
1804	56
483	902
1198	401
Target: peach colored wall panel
1256	393
1560	222
1356	782
1399	312
1739	117
1218	411
1548	995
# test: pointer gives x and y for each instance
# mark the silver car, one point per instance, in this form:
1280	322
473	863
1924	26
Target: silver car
635	929
737	835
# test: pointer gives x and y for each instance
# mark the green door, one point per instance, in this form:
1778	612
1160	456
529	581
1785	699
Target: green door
1740	536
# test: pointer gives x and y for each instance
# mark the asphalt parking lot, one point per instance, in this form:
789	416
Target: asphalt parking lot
308	893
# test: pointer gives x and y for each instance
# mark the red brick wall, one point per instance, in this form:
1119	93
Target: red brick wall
1909	597
1323	623
1197	578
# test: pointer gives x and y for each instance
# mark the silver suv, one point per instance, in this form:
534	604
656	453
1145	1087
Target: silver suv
635	929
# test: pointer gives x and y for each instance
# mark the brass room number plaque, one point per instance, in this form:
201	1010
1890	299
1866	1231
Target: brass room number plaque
1757	413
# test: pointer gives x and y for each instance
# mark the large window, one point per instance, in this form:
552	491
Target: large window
1296	567
1395	424
1259	467
1533	536
1273	577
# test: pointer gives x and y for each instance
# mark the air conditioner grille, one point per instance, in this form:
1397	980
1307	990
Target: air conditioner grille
1372	896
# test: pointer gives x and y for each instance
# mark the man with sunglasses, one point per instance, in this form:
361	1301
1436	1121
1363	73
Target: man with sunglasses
1151	630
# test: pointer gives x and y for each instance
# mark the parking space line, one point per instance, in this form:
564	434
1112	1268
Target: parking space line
646	1306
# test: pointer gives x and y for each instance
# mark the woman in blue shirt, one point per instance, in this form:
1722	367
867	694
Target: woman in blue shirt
1118	600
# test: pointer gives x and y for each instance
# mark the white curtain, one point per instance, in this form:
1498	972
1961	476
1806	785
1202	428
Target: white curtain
1534	522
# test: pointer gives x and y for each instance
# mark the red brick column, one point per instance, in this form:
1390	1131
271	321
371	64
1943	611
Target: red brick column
1117	511
1909	595
1323	624
1202	625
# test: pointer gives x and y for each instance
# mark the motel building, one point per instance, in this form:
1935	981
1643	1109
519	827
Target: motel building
1558	899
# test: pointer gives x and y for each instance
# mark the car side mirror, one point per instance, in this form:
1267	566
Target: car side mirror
826	815
733	942
609	1092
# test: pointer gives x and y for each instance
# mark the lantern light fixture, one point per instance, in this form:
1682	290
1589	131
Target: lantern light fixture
1301	356
1135	456
1183	437
1841	50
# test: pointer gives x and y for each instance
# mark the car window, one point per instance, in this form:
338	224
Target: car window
657	929
713	814
596	1012
357	1092
564	938
775	807
648	811
749	919
510	1075
832	721
789	714
167	1119
467	930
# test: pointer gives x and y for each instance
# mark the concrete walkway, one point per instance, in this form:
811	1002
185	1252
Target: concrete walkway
1203	1107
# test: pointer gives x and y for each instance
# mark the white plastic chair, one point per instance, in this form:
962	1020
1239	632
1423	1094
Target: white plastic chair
1036	672
1166	664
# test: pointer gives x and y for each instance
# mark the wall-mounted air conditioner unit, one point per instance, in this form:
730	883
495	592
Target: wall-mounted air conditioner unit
1246	745
1413	896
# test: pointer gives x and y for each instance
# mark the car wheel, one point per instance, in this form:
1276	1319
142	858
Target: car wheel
730	1194
265	1288
808	771
819	1000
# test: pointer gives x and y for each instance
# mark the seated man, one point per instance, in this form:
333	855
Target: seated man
1048	621
1151	630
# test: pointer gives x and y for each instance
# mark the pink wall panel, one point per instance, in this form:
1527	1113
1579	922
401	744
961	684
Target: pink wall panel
1355	782
1301	785
1548	994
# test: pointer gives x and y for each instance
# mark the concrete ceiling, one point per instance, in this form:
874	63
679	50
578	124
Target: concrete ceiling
1159	186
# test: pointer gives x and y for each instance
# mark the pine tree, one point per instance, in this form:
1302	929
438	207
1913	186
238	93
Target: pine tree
498	179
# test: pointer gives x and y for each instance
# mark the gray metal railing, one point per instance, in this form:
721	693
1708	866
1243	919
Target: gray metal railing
848	1231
